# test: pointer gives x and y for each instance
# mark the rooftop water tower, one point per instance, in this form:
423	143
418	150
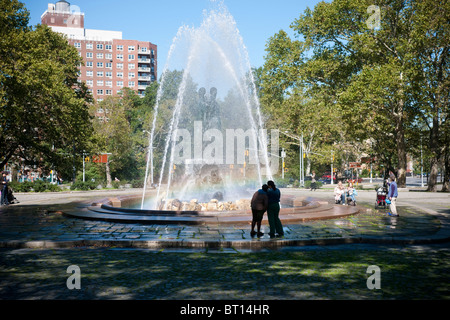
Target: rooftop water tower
62	6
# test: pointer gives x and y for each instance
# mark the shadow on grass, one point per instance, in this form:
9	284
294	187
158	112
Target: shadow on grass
306	274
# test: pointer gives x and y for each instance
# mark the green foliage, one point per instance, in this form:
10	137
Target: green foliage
308	184
352	89
44	112
36	186
84	186
25	186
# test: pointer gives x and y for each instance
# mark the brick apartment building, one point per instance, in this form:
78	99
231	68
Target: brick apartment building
110	62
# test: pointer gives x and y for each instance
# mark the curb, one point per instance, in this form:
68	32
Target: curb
191	244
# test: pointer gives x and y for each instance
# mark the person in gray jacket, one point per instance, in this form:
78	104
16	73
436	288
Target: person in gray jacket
259	204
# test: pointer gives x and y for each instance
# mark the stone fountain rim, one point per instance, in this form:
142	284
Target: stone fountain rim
115	205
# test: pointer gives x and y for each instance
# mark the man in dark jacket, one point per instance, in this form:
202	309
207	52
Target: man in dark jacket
4	198
259	205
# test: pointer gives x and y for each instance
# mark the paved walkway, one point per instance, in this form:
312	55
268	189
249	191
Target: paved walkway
37	222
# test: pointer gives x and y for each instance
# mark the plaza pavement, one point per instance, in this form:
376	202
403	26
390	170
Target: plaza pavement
38	222
324	259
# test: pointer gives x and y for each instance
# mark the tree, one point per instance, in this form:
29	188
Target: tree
112	135
294	84
429	64
44	110
382	79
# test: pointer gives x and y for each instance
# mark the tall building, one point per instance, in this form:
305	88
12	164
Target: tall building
110	62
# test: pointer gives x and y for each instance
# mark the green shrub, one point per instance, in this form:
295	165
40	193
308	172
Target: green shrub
36	186
308	184
138	183
116	184
84	186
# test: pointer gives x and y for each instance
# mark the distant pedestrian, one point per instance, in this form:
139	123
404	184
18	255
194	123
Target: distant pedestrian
4	197
273	211
392	196
313	181
259	204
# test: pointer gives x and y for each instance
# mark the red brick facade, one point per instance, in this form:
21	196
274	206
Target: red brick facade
110	63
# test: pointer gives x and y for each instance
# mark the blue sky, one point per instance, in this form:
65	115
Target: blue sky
158	21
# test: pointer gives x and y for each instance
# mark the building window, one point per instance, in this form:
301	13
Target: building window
108	92
108	83
99	64
120	84
120	74
99	47
131	75
89	73
130	48
99	55
108	56
108	46
119	56
89	46
100	83
131	57
120	47
120	66
89	55
100	91
108	74
77	45
131	84
99	73
89	64
90	82
131	66
108	65
144	49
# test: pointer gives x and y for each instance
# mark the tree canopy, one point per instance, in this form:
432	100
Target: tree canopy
369	85
44	109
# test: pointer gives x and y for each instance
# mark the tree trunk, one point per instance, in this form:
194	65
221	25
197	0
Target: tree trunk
446	171
402	162
108	176
436	152
401	146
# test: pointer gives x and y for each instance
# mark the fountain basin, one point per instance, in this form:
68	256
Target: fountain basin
294	210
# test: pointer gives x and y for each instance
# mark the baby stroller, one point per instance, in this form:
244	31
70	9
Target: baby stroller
381	198
11	198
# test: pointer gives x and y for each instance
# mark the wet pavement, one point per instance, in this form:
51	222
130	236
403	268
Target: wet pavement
38	222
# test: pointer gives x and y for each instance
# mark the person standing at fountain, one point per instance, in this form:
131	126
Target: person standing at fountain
273	210
259	204
392	195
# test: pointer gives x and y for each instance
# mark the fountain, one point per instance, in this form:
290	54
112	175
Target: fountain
210	101
207	142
